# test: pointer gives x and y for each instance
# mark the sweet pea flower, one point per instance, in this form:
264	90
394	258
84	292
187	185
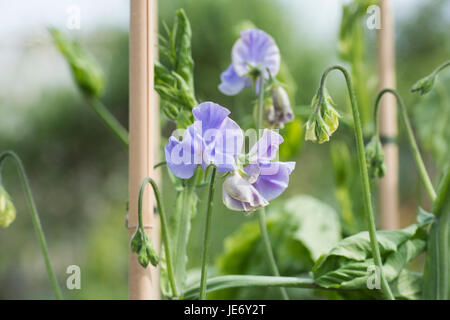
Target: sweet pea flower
261	181
213	138
253	55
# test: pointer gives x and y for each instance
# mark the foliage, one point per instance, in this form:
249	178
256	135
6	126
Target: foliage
347	265
300	229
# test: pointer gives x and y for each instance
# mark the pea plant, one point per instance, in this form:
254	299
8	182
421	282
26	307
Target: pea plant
210	149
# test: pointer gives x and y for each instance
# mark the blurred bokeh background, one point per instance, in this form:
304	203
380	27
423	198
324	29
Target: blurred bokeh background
79	171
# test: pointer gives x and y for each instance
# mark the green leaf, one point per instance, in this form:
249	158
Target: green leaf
179	229
86	71
175	82
184	64
347	265
301	229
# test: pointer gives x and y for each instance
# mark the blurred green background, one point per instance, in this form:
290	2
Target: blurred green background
79	172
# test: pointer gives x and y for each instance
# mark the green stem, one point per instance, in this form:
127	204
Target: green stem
441	209
109	120
240	281
35	219
363	171
206	236
262	212
441	67
412	141
164	227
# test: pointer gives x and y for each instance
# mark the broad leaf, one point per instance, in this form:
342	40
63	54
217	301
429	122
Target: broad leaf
301	229
349	263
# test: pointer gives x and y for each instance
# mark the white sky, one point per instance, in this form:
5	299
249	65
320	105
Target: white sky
26	57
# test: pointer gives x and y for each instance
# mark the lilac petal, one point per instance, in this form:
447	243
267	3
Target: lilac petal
231	203
266	148
210	115
255	48
274	179
253	171
178	158
226	145
232	83
240	189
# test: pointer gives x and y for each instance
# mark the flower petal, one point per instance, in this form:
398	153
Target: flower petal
255	48
184	156
210	115
232	83
273	179
266	148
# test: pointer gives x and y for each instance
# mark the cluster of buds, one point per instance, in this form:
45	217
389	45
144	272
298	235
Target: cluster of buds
143	246
324	121
375	158
7	209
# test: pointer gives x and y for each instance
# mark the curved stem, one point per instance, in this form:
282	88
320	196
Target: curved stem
363	171
262	212
206	236
165	229
441	67
109	120
239	281
35	219
412	141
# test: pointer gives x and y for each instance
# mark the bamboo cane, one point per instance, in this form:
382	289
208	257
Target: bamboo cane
144	139
388	186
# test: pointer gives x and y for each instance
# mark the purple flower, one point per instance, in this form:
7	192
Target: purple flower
254	54
262	180
213	138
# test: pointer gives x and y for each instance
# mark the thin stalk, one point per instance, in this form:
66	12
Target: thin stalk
363	171
412	141
109	120
35	219
165	229
441	67
441	209
262	212
206	236
241	281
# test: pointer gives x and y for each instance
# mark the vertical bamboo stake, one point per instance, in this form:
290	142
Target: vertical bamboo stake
144	138
388	186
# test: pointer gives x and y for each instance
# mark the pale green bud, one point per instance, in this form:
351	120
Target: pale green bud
7	209
310	133
424	85
330	115
375	158
86	72
323	132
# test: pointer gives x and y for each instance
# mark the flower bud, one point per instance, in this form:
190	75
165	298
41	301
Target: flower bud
424	85
310	133
239	194
330	115
324	121
85	70
7	209
375	158
282	104
317	129
143	246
